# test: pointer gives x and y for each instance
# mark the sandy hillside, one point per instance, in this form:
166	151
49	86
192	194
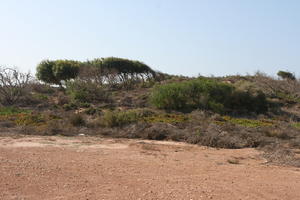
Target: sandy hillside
37	168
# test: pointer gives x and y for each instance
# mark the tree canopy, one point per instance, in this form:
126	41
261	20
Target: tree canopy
53	72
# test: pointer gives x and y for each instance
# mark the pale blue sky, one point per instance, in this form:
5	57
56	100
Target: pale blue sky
186	37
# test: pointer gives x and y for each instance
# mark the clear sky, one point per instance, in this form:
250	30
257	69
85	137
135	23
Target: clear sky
189	37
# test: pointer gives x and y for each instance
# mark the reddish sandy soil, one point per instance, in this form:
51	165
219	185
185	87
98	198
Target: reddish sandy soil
37	168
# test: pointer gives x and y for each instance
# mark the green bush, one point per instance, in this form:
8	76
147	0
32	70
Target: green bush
12	111
166	118
121	118
117	118
246	102
77	120
70	106
252	123
170	96
296	125
207	94
32	119
86	92
200	93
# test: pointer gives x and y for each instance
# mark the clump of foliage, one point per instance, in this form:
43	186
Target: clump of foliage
12	111
286	75
41	97
166	118
77	120
120	118
116	118
54	72
206	94
21	117
252	123
30	119
278	133
296	125
70	106
86	92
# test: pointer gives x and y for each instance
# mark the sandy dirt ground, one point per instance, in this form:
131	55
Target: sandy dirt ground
36	168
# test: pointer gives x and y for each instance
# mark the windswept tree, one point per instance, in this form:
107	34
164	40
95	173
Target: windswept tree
127	71
115	71
54	72
44	72
111	71
286	75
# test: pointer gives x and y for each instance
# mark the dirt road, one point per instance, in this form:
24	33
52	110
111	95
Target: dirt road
37	168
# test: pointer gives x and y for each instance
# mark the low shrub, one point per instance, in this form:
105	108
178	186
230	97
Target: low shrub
252	123
11	111
166	118
70	106
42	88
228	136
280	155
244	102
90	111
296	125
30	120
86	92
121	118
40	97
117	118
77	120
209	94
278	133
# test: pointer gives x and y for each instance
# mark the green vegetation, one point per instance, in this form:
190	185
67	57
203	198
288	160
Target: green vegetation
112	71
12	111
288	97
166	118
252	123
77	120
207	94
30	119
286	75
296	125
119	118
86	92
54	72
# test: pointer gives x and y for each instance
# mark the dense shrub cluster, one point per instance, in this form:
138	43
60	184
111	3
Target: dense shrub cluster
207	94
77	120
120	118
86	92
